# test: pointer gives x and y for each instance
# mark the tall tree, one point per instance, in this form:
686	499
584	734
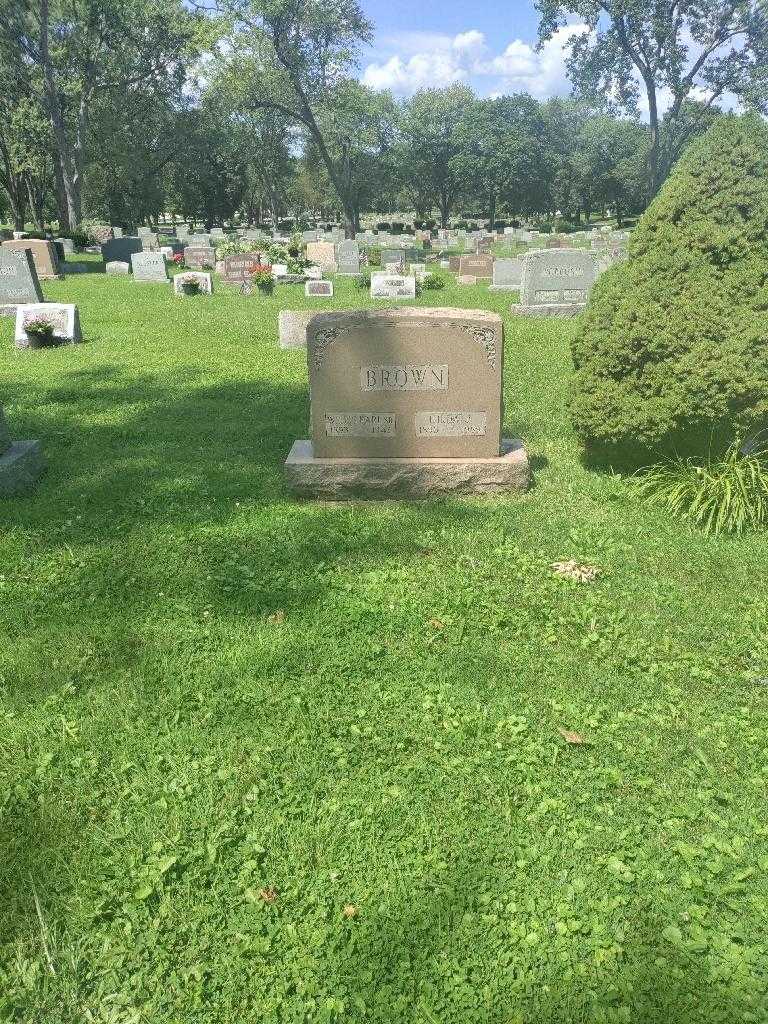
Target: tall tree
689	49
433	149
305	52
86	48
502	151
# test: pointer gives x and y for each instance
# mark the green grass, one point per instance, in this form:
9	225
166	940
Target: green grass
171	749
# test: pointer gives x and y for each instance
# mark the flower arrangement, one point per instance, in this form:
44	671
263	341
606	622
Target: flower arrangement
178	260
262	277
190	284
40	332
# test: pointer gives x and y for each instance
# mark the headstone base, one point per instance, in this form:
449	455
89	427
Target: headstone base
563	309
20	468
8	310
338	479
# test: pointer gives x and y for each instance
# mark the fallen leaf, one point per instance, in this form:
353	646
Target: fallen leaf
350	910
573	571
276	618
269	895
436	624
571	737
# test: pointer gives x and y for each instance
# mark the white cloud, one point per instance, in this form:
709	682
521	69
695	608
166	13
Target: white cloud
426	61
421	71
542	73
431	60
472	42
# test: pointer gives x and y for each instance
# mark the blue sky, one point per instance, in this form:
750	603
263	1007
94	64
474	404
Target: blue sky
487	44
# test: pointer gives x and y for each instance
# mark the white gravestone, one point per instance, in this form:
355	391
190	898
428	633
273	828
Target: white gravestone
204	282
507	275
393	286
63	317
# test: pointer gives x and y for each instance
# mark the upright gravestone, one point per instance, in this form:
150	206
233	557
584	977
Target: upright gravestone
405	401
507	275
149	268
322	254
200	257
43	254
62	316
292	327
121	249
556	282
18	281
479	267
348	259
67	245
21	463
117	268
238	269
203	241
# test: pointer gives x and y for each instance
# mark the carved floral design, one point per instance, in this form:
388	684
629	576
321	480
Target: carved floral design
486	337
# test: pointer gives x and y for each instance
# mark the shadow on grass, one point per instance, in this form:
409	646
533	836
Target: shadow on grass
416	949
138	453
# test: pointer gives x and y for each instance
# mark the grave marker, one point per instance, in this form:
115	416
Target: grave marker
392	286
200	257
405	401
556	282
43	254
121	249
18	281
21	463
203	281
480	267
507	275
63	317
149	268
318	289
323	254
239	269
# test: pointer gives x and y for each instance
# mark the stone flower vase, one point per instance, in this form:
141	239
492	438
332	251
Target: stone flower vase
41	339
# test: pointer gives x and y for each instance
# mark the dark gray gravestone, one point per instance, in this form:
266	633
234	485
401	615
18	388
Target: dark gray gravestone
18	281
149	267
121	249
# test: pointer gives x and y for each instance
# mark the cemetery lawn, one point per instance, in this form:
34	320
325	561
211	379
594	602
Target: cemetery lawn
270	761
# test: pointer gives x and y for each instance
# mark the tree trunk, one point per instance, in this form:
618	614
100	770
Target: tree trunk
492	208
654	151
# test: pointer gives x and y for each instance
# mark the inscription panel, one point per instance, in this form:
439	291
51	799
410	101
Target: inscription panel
360	424
451	424
404	378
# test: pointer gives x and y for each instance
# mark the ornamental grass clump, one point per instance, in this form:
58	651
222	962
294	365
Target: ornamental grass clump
673	347
727	494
